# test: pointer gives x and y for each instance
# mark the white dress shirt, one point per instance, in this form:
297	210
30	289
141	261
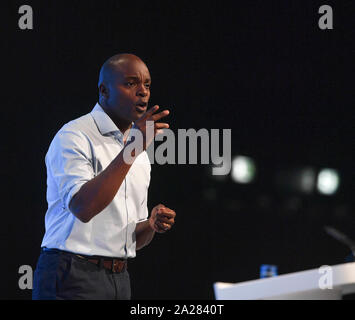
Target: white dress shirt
80	150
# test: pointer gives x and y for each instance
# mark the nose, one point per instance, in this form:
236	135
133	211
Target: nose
142	91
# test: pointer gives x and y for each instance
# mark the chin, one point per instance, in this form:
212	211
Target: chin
137	116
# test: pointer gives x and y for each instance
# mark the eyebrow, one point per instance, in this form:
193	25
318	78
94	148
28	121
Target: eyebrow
137	78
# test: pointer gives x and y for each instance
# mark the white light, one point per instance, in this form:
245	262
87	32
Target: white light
243	169
328	181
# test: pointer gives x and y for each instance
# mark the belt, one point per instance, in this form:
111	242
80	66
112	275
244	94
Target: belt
115	265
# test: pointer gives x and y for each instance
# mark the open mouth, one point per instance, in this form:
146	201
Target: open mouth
141	107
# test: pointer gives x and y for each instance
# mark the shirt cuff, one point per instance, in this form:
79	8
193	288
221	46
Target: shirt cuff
72	193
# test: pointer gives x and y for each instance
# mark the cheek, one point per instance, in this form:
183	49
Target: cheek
126	95
122	98
114	98
127	99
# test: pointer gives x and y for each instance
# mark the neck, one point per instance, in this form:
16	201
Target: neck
124	126
121	124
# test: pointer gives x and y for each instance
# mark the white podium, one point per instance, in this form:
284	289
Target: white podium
304	285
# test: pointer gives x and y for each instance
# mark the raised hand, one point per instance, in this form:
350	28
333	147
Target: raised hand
147	123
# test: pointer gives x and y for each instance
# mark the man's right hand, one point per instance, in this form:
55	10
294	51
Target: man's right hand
147	121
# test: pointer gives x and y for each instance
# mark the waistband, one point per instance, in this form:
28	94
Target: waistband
45	249
115	265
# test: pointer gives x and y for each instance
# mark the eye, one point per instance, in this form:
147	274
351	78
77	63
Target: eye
129	84
147	85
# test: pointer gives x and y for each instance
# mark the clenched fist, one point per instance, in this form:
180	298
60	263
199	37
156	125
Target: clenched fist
161	218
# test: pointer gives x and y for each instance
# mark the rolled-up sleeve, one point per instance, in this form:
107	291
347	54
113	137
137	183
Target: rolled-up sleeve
69	162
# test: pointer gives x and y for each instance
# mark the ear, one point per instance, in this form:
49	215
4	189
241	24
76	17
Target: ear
103	91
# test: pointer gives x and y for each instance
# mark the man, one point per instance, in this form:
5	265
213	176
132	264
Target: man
97	213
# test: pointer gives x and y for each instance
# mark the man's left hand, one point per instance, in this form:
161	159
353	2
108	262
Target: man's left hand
161	218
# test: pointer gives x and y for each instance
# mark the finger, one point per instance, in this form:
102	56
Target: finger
162	226
159	115
167	212
158	131
158	228
163	219
159	206
163	208
149	112
161	125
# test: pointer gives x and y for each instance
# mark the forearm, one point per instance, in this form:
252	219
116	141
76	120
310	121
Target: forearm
144	234
96	194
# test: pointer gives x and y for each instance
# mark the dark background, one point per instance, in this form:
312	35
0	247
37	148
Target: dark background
262	68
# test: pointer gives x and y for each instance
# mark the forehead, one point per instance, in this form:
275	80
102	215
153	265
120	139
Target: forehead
131	68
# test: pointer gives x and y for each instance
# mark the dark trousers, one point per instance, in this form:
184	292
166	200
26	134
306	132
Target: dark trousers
60	275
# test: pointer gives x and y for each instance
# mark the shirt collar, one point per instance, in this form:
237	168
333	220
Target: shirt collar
105	124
